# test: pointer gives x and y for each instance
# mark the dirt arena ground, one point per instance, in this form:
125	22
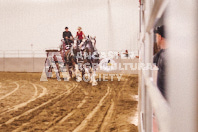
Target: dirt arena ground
27	104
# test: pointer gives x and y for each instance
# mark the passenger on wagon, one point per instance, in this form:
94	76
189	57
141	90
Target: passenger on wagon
160	59
80	35
67	35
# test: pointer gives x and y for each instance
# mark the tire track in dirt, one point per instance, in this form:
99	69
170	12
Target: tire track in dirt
7	107
60	120
109	112
0	88
103	127
78	107
123	109
134	118
67	113
83	124
16	107
23	125
107	117
59	98
40	106
8	94
96	122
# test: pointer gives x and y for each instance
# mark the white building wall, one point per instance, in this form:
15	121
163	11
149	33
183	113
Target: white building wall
41	23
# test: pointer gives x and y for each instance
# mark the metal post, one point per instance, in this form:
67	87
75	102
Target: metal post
4	61
139	100
32	56
148	60
33	59
146	57
148	103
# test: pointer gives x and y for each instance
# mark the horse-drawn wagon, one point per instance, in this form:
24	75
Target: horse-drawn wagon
73	60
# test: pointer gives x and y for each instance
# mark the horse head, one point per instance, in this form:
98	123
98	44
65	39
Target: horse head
90	42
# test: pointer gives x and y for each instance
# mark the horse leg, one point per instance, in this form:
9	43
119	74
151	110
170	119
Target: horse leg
66	73
72	69
66	56
73	66
57	71
49	72
94	82
77	72
83	72
70	73
91	75
58	68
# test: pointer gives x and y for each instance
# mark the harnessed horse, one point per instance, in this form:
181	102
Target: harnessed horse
89	59
68	58
70	62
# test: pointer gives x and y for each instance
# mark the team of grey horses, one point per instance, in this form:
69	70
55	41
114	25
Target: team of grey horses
78	60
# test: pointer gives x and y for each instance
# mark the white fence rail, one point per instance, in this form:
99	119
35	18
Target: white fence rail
159	104
180	113
150	99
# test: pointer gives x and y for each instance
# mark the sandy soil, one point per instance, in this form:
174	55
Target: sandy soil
27	104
